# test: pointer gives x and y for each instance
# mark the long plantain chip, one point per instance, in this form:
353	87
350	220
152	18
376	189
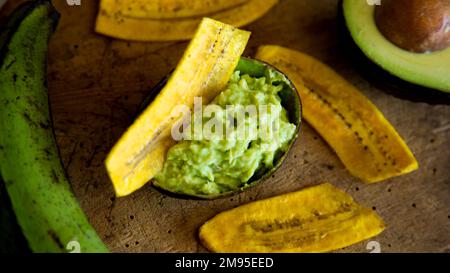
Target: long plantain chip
204	71
114	23
317	219
168	9
364	140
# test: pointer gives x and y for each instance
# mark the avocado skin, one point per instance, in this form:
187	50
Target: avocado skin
381	78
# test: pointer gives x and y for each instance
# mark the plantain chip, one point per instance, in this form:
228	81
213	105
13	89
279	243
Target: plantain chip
203	71
115	23
367	144
168	9
317	219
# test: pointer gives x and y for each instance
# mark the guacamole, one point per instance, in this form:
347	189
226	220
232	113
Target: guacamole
226	162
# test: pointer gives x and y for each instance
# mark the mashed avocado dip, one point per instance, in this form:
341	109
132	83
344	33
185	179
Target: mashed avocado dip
227	162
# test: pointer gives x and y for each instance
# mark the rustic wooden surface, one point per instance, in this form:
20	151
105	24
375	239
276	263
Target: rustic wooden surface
96	84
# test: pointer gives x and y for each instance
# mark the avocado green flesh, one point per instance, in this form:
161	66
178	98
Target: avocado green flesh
430	70
215	166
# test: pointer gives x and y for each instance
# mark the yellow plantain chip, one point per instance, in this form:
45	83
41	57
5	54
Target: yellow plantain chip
317	219
114	23
204	71
168	9
367	144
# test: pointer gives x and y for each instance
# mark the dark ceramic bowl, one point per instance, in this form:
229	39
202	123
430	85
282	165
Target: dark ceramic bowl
290	100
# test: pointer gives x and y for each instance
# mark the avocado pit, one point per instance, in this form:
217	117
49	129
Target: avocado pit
415	25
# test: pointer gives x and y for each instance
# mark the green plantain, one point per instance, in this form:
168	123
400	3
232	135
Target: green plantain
45	207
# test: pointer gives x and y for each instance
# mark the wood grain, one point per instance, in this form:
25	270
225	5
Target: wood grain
97	83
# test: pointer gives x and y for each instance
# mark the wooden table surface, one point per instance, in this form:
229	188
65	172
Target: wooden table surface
97	83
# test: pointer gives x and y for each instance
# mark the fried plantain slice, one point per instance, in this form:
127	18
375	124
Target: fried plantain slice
115	24
204	71
367	144
317	219
168	9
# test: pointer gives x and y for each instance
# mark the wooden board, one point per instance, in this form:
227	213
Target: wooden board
97	83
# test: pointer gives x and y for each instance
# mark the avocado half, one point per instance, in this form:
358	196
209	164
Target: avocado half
290	100
427	70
